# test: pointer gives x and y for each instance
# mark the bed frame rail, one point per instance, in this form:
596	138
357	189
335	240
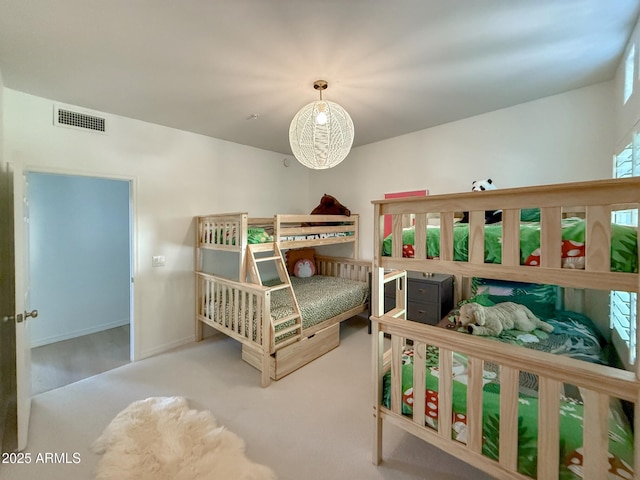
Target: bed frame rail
343	268
298	231
234	308
598	384
223	232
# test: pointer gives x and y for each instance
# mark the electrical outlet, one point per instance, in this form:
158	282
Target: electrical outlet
158	261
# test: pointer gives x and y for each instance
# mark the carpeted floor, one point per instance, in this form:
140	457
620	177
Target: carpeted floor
313	424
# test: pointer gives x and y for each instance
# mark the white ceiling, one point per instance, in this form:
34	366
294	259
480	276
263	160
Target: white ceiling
396	66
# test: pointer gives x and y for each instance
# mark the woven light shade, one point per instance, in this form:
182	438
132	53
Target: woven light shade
321	133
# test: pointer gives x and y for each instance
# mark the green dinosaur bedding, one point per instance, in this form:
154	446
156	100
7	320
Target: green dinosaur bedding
624	241
574	335
571	417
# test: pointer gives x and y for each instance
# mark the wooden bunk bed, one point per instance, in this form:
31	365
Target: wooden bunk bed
282	322
451	366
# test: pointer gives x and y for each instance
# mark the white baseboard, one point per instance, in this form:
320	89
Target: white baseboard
78	333
166	347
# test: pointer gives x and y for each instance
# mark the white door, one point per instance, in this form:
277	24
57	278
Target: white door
21	316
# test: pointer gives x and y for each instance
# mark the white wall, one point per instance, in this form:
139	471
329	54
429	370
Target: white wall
176	175
563	138
79	255
627	114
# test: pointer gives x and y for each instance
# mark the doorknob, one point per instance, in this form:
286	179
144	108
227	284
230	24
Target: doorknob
32	314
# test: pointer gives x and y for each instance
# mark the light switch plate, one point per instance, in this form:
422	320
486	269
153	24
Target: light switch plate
158	261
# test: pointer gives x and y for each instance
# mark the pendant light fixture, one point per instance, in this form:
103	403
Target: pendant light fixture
321	133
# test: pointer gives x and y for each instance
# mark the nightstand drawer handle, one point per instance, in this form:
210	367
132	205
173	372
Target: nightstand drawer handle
422	311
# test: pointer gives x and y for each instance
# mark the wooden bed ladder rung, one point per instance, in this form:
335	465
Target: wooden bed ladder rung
280	321
290	329
285	284
286	342
266	259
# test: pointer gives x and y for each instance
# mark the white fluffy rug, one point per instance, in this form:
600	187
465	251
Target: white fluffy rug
162	438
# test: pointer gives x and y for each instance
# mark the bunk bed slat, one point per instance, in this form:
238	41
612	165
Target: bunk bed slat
445	393
419	372
396	228
446	236
474	408
549	428
596	434
550	237
509	378
598	239
420	243
476	237
511	237
397	345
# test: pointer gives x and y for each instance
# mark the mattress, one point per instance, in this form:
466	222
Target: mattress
320	297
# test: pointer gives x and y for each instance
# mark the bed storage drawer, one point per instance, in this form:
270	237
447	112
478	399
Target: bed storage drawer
294	356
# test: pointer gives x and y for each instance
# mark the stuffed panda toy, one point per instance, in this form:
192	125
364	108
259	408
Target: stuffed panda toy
489	216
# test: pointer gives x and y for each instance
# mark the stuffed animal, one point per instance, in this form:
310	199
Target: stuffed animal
489	216
329	205
481	320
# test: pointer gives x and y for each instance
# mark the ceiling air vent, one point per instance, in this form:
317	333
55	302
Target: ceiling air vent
68	118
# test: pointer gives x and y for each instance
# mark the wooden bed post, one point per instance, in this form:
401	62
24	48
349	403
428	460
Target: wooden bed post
377	338
377	347
197	268
265	364
356	244
241	234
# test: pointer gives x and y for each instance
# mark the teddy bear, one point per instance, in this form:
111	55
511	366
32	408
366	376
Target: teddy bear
489	216
481	320
329	205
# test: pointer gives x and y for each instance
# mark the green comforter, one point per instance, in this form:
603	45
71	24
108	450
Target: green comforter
624	241
571	418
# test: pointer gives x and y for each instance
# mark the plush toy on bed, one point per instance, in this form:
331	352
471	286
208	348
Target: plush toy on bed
481	320
329	205
490	216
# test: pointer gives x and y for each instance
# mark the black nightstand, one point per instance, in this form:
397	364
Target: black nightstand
429	296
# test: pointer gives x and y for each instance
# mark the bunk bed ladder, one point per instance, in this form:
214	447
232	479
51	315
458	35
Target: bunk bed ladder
285	335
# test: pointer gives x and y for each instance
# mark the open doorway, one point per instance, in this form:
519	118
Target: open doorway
79	244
